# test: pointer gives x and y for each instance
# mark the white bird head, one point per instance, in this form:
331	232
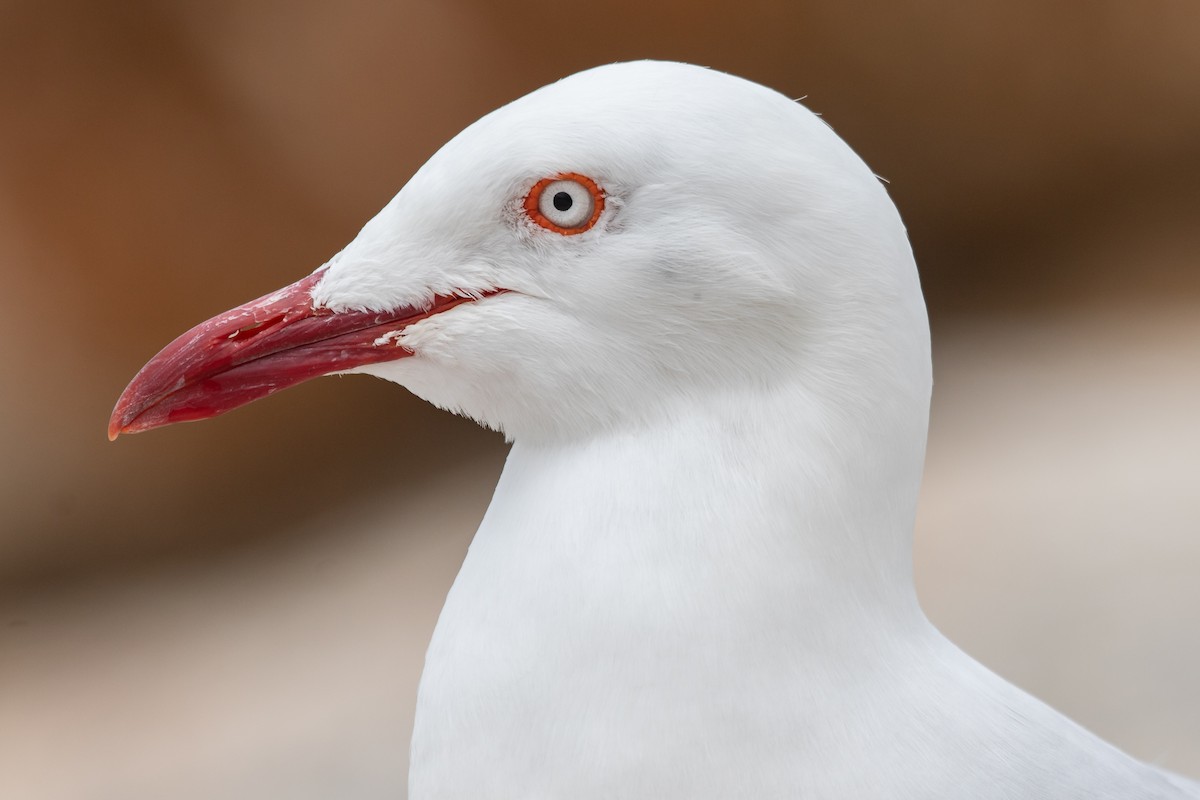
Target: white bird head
584	258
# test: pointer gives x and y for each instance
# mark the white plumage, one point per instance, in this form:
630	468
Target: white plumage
695	578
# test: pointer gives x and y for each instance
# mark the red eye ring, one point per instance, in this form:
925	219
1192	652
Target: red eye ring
532	203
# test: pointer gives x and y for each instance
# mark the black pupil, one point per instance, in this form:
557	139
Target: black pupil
563	201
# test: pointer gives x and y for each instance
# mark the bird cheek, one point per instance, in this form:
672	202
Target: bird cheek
458	340
428	339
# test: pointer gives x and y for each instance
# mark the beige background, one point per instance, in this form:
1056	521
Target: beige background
239	608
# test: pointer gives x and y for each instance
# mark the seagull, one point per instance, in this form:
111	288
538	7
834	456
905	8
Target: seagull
695	313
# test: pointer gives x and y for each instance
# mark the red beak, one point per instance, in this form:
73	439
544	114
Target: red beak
257	349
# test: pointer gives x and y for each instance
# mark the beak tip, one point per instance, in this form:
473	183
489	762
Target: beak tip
120	420
115	428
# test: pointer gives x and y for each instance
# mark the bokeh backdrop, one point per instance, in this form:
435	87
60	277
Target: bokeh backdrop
239	608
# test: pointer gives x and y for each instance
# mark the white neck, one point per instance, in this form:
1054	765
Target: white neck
722	605
737	559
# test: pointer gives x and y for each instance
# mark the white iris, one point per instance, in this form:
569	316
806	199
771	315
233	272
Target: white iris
566	203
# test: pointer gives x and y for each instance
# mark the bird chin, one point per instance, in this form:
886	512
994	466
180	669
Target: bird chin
438	384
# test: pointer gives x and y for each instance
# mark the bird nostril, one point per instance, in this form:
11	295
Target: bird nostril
253	329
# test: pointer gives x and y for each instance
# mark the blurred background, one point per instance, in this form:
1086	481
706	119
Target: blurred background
240	608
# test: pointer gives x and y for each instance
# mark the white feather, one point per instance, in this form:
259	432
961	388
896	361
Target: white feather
695	577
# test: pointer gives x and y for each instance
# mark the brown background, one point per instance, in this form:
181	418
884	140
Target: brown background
238	608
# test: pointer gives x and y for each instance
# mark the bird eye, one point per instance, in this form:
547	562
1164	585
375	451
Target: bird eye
566	204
